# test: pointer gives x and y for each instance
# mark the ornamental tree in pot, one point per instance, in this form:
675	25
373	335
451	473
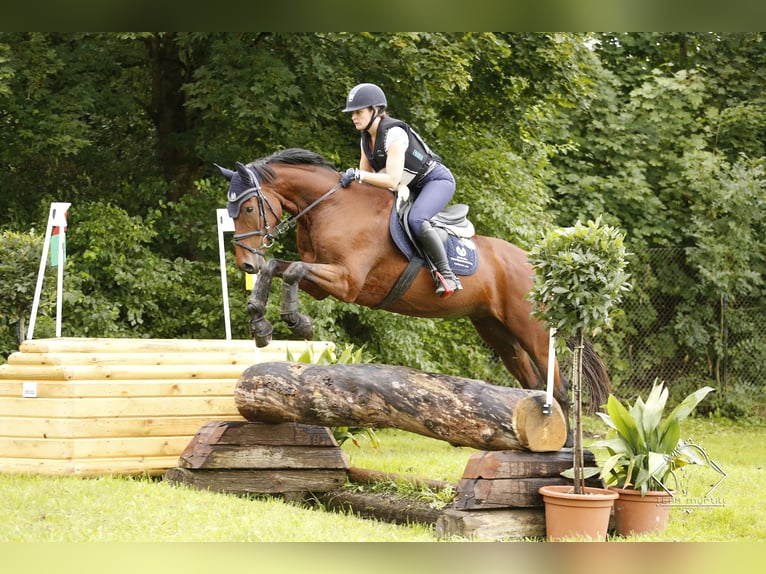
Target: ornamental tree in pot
580	276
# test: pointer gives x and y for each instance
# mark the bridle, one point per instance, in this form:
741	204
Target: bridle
269	237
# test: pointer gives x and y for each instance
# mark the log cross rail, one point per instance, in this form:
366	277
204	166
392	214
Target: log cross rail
463	412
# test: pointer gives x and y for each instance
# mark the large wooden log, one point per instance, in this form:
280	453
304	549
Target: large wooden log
463	412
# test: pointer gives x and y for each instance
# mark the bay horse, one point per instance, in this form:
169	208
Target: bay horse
346	252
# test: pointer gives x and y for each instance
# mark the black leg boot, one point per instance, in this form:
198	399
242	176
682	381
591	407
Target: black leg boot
446	280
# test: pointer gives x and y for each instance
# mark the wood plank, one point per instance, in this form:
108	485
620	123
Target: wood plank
122	389
253	433
92	447
235	481
153	466
518	464
263	457
482	494
124	372
96	427
133	345
163	358
212	407
492	525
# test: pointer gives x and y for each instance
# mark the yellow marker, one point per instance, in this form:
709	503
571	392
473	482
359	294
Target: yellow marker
249	282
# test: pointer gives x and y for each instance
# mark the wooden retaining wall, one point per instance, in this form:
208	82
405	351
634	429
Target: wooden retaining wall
88	406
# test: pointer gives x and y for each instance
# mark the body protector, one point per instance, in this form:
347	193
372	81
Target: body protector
418	159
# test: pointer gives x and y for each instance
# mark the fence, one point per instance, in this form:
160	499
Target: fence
672	329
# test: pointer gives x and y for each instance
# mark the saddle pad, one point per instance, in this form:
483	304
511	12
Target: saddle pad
461	253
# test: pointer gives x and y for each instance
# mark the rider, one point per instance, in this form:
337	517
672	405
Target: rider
393	156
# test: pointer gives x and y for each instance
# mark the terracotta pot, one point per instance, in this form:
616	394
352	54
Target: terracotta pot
636	514
580	516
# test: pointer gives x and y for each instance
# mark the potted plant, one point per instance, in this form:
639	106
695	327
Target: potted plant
579	277
645	452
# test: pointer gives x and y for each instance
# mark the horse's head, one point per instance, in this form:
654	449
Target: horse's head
254	215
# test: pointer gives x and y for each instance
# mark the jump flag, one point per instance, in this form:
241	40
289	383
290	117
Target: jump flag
58	244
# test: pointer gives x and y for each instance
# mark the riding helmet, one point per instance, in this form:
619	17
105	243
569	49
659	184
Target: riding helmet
365	96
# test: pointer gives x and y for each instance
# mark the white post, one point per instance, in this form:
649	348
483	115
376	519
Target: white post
60	274
547	408
225	223
56	218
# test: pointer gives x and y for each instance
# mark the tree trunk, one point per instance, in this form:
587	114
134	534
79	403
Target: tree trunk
463	412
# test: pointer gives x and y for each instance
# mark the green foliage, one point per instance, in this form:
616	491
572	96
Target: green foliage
19	267
660	134
645	449
579	277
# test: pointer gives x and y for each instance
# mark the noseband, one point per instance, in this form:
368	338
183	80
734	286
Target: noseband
265	232
270	237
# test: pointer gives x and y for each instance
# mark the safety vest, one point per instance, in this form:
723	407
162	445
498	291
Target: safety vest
418	159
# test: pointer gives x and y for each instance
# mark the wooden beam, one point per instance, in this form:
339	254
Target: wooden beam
463	412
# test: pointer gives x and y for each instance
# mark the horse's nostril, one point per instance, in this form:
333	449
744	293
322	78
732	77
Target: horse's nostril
247	268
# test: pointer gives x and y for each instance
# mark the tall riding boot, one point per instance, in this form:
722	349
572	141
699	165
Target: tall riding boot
446	280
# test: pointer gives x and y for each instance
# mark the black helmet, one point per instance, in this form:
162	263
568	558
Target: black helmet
365	96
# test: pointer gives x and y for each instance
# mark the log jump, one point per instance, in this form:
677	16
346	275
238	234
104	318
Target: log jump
463	412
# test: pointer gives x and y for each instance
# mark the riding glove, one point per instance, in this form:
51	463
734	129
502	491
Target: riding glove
402	195
352	174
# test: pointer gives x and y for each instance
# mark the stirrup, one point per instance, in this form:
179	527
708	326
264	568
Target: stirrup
446	286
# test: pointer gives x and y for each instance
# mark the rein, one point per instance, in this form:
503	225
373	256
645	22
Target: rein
270	238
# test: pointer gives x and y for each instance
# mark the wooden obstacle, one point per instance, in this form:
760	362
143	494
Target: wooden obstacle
88	406
497	496
245	458
463	412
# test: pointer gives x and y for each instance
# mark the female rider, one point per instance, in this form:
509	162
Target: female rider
394	157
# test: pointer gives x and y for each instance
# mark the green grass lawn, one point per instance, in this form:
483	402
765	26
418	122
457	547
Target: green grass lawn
115	509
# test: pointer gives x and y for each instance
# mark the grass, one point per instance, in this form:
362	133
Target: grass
117	509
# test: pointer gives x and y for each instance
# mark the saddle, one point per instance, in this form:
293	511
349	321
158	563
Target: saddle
456	232
454	229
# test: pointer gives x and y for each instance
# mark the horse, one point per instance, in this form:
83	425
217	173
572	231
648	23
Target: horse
346	251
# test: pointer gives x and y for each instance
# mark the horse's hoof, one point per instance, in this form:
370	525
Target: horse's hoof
305	328
301	326
261	330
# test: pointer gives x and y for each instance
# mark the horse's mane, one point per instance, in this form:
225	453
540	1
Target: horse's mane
291	156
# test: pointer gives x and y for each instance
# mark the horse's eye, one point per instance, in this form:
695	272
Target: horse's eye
249	209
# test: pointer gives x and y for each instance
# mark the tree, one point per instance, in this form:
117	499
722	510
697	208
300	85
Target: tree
19	267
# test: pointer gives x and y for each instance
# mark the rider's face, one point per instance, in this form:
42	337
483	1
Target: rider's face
361	118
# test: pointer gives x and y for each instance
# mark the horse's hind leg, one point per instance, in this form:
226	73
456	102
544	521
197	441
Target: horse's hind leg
515	359
301	326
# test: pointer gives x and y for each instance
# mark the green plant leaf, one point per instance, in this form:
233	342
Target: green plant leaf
587	472
624	423
652	411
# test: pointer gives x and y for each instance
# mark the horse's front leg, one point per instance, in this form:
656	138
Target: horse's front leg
302	326
260	327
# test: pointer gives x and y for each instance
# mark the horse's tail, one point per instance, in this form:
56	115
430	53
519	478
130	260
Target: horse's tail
595	375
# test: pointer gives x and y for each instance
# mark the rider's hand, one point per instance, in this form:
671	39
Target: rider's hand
352	174
402	195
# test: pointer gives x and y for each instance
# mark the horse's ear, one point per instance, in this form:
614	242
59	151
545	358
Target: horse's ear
227	173
246	175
